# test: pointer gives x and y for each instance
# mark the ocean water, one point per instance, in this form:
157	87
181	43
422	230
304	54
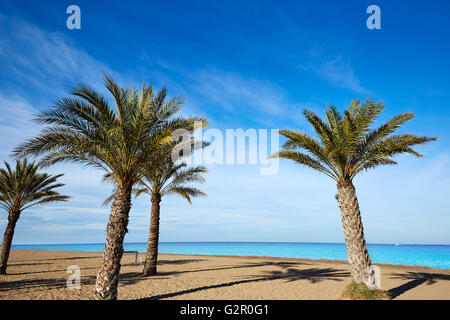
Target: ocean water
434	256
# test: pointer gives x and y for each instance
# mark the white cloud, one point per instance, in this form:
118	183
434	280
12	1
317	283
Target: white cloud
15	123
236	93
259	99
59	228
341	75
48	60
45	211
337	72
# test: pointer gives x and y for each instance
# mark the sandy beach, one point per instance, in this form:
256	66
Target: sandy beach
43	275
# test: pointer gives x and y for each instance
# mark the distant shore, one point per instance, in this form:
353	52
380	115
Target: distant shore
35	274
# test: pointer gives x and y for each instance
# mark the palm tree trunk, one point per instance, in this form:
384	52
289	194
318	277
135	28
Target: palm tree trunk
151	257
108	275
358	256
7	240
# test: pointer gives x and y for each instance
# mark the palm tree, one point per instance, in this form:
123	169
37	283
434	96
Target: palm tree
21	189
168	179
87	130
348	145
164	175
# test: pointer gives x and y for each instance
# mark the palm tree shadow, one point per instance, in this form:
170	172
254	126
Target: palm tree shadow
177	262
37	261
314	275
27	264
416	279
47	271
41	284
129	278
282	265
72	258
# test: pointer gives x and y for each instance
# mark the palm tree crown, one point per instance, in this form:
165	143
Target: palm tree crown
347	144
24	187
172	178
21	189
87	130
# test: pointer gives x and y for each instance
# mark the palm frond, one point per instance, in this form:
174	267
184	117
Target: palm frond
347	145
186	192
303	159
85	129
25	187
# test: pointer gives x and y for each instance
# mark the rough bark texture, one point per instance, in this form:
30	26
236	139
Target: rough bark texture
108	274
358	256
153	238
7	240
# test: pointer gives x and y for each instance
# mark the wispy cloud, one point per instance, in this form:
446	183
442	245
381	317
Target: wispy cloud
48	60
235	93
337	72
341	75
261	99
15	123
59	228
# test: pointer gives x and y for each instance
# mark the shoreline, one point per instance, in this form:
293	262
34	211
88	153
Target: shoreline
337	261
309	242
322	260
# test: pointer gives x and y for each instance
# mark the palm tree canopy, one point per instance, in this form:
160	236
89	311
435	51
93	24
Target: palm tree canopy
347	142
85	129
162	176
173	178
24	187
168	174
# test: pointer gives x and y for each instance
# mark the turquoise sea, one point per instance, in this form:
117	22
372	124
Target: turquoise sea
434	256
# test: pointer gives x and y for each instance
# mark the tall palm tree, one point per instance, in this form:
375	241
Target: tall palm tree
165	175
168	179
86	129
347	145
21	189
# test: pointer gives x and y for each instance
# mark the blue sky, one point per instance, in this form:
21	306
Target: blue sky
241	64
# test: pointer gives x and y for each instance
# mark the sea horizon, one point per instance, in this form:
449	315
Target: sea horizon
323	242
427	255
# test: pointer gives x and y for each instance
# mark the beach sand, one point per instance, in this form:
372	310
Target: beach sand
43	275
